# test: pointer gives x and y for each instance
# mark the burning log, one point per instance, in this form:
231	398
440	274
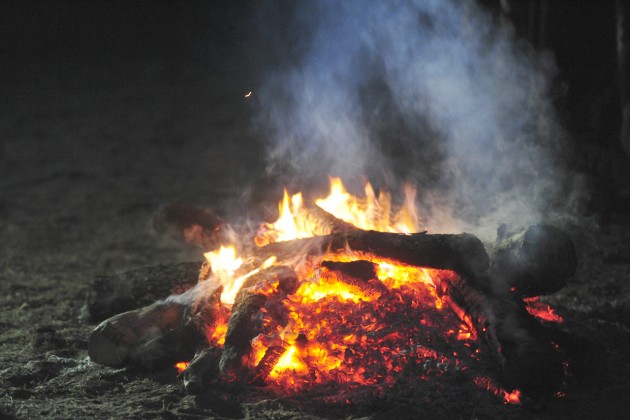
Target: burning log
155	336
266	365
361	274
192	226
246	321
111	295
526	358
202	369
313	218
535	260
463	253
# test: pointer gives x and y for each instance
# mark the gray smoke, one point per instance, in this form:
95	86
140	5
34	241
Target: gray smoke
438	92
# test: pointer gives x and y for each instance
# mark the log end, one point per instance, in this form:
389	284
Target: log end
105	350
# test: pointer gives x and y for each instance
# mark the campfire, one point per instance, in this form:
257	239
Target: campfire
345	291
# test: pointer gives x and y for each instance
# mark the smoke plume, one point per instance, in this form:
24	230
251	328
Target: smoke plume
437	92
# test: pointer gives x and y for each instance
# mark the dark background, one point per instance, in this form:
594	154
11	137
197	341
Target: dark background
109	109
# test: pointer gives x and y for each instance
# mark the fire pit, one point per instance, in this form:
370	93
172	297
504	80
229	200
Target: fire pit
342	296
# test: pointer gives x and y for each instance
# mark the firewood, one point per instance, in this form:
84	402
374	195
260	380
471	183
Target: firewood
114	294
525	356
314	219
361	274
246	321
463	253
192	226
203	368
266	364
155	336
535	260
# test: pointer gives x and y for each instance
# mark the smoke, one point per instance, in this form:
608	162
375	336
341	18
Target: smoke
438	92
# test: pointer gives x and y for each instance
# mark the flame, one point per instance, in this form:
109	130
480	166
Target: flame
288	361
181	366
369	213
225	263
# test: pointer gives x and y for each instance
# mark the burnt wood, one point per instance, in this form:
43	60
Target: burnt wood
157	335
526	358
245	322
203	368
463	253
533	261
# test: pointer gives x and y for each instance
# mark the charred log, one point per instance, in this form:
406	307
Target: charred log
362	270
463	253
155	336
192	226
536	260
526	358
361	274
203	368
266	364
111	295
246	320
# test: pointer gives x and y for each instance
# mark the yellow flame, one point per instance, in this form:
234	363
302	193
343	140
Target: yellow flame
369	212
288	361
224	263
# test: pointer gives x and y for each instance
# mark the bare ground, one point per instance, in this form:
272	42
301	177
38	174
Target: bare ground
89	153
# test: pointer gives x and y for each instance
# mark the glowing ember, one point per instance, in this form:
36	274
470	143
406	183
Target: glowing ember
513	397
181	366
541	310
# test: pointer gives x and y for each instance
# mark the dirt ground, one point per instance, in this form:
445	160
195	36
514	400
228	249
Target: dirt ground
90	150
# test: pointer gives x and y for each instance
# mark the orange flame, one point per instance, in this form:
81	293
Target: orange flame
181	366
369	212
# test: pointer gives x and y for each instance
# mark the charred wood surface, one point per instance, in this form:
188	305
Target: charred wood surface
463	253
361	274
114	294
203	368
526	358
155	336
266	365
246	319
536	260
